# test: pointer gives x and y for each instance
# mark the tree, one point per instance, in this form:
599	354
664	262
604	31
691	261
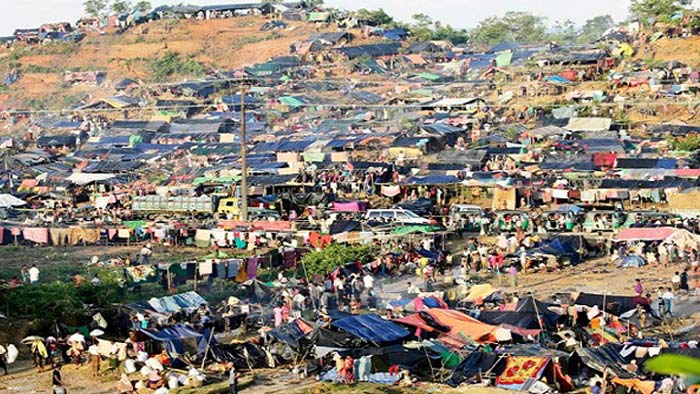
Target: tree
422	27
448	33
594	28
143	6
659	10
335	255
121	6
375	17
95	7
513	26
564	32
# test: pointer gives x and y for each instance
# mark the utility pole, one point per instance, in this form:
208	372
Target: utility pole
244	165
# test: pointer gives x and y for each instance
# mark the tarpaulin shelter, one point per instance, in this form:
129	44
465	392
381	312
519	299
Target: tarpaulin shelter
682	237
614	304
600	358
8	200
371	328
174	338
475	364
291	333
480	291
418	362
344	226
589	124
453	324
371	50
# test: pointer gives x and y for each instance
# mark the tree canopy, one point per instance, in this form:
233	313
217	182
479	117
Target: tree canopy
658	10
513	26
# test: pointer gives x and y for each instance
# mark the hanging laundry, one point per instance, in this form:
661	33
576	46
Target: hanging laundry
242	274
391	190
206	267
234	267
252	268
38	235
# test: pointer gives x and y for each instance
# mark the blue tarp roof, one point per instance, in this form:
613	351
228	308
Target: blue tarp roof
371	50
441	128
556	79
433	180
173	338
506	46
371	328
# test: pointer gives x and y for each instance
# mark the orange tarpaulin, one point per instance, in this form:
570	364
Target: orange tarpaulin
645	386
460	325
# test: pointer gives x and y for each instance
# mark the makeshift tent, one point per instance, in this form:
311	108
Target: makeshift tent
603	357
174	338
290	333
475	364
614	304
8	200
681	237
456	325
480	291
589	124
371	328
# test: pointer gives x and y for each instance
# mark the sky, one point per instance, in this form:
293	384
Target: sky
458	13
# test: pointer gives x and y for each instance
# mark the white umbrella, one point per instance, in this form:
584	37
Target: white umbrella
76	338
96	333
31	338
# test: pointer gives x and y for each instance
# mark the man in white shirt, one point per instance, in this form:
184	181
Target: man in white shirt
413	289
34	274
368	281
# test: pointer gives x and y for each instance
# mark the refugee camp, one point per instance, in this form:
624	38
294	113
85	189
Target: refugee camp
347	196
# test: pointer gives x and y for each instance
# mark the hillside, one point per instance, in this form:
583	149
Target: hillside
222	44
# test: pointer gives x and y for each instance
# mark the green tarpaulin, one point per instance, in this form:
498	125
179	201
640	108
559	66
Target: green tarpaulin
504	59
291	101
428	76
415	229
319	16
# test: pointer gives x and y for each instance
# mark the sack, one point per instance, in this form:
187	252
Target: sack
12	353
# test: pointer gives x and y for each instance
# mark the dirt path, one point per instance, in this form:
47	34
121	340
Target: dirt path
24	379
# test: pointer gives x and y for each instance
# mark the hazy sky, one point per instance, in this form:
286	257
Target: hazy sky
458	13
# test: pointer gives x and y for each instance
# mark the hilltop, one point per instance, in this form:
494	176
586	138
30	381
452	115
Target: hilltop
218	44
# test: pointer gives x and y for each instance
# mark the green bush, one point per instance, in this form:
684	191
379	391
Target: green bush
689	143
336	255
172	64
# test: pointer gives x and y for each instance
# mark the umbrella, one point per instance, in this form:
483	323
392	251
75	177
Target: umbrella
32	338
76	338
96	333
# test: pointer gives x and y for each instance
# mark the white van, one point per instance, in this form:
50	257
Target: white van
395	215
458	210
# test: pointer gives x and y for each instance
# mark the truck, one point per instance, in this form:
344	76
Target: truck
156	203
204	205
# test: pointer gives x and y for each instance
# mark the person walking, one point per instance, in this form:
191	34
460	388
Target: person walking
668	298
233	380
638	287
3	358
513	274
94	354
57	381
